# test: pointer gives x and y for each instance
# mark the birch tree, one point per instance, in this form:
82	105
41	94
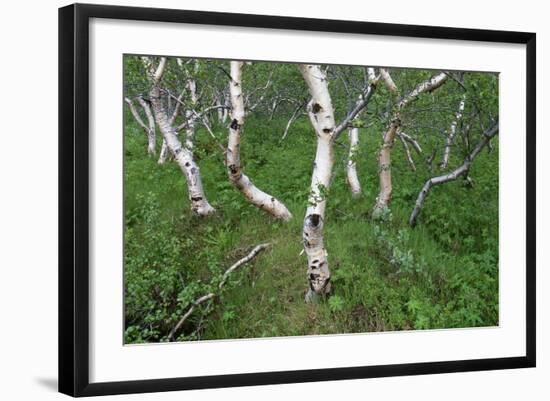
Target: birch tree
351	165
241	181
149	129
449	140
183	154
384	155
163	155
321	115
353	136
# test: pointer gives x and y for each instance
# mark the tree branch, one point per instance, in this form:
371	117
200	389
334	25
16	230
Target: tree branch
211	295
453	175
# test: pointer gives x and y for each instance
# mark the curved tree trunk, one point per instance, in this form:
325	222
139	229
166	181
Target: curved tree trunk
321	114
384	156
182	154
462	170
233	155
384	166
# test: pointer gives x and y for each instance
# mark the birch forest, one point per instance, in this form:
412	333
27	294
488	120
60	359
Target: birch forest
273	199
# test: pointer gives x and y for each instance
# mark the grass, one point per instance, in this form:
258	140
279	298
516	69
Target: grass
386	276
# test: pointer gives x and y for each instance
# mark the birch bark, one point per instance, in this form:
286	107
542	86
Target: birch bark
321	114
452	132
351	165
182	154
255	196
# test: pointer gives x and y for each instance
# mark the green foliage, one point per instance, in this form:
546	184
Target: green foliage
336	304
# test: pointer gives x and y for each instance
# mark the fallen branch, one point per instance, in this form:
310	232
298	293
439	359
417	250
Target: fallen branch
242	261
211	295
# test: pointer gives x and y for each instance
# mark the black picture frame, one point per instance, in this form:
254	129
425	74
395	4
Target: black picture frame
74	198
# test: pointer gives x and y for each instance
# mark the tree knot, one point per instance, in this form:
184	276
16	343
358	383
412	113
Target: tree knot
235	124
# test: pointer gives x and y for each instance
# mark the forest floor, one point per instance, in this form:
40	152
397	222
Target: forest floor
385	275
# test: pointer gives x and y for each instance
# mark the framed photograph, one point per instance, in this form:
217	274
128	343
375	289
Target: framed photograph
251	199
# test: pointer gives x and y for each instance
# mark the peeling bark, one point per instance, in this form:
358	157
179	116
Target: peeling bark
182	154
462	170
451	135
257	197
321	114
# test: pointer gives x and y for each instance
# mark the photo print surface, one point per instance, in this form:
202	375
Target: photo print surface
267	199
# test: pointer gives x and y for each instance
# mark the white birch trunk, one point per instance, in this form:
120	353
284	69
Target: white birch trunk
190	115
450	137
321	114
233	154
182	155
351	168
